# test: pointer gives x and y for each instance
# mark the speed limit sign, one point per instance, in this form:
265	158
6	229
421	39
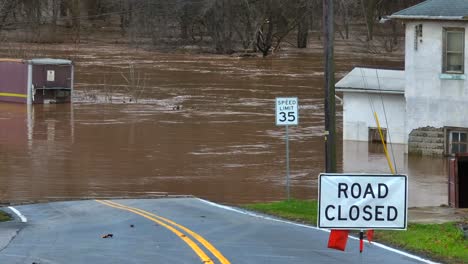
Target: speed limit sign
287	113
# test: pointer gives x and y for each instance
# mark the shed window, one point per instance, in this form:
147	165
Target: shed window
458	142
374	135
454	47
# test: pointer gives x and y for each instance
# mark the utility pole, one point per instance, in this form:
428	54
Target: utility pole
330	116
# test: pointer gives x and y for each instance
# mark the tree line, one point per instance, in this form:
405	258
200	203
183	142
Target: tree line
225	25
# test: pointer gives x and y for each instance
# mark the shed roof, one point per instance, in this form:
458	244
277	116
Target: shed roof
39	61
49	61
435	10
369	80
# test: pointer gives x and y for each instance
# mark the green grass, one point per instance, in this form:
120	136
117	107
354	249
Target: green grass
4	217
444	242
440	241
296	210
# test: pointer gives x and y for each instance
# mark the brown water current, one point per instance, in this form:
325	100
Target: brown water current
144	123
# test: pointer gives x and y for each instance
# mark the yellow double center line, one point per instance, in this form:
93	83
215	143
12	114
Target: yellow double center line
172	226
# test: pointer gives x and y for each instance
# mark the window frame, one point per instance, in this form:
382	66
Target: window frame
445	52
450	143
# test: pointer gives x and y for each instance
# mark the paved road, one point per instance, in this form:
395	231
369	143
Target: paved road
183	230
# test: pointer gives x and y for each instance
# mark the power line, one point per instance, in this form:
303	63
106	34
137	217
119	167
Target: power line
386	121
371	103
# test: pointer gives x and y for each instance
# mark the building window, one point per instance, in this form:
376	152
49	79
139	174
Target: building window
454	47
374	135
458	142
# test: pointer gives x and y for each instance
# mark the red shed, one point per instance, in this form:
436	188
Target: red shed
36	81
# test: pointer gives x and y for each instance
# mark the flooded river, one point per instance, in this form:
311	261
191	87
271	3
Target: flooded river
145	123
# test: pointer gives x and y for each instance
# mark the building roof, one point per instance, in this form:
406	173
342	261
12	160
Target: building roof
435	10
10	60
367	80
39	61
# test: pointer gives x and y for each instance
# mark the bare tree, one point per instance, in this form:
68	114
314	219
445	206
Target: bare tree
369	12
304	13
220	23
281	17
7	7
223	25
344	12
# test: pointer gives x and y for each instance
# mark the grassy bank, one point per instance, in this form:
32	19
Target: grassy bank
444	242
4	217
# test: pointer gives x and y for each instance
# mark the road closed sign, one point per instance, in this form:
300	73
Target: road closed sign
363	201
287	111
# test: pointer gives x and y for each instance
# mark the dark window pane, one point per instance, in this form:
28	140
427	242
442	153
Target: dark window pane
463	148
462	137
455	61
455	41
455	148
455	137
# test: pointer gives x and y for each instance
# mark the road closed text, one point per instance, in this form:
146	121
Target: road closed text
362	201
366	213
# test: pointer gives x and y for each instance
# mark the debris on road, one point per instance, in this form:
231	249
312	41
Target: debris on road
108	236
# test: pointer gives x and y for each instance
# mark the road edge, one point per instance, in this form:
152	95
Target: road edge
10	229
266	217
19	214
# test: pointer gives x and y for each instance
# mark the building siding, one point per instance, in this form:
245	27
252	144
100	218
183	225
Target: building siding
358	116
62	76
430	100
13	82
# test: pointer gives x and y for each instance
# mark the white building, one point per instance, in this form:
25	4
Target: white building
367	90
426	104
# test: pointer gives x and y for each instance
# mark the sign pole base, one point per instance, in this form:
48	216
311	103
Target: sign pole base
361	241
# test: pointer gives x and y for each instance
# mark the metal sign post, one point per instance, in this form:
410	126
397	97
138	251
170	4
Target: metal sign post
287	164
286	115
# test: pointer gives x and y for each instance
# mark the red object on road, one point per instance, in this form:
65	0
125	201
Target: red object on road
338	239
370	235
361	241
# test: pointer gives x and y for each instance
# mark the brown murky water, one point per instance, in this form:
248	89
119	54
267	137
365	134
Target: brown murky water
124	135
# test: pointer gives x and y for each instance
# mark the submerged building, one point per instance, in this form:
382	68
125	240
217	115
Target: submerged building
426	104
36	81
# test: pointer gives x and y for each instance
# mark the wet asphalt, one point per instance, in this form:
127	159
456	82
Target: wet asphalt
72	232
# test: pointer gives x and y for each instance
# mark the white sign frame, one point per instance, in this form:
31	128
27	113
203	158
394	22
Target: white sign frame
330	203
285	110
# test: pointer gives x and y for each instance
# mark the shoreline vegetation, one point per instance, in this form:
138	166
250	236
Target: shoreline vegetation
442	242
221	27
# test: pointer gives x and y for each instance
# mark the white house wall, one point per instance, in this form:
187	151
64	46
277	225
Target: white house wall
430	100
358	115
